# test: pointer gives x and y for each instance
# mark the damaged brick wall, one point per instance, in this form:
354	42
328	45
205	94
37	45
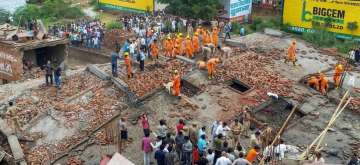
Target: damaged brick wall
11	66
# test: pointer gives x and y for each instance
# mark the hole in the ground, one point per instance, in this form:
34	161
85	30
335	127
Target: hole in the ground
189	89
275	112
239	86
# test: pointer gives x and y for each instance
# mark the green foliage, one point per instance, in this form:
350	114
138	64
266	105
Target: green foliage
265	24
235	28
28	12
4	16
320	38
256	21
345	46
114	25
95	4
50	10
204	9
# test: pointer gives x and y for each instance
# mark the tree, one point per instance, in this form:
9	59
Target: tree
25	13
204	9
4	16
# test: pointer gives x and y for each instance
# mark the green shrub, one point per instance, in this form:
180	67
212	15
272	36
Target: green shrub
114	25
235	28
345	46
263	25
255	23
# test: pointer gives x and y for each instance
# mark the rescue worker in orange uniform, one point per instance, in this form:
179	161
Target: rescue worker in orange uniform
291	53
339	69
188	47
313	82
178	44
195	43
324	84
127	61
168	46
154	50
206	38
215	36
176	83
211	66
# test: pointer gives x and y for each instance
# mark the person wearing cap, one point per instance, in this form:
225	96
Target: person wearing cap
167	46
313	82
215	36
127	61
195	43
176	83
291	53
324	84
154	50
211	67
188	47
339	69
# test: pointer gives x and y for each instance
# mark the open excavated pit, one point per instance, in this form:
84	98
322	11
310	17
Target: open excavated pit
189	89
239	86
274	112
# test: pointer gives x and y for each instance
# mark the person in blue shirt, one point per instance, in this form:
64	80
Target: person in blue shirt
114	58
160	155
202	144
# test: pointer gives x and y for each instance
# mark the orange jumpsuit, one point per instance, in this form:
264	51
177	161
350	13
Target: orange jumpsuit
188	48
313	82
195	42
337	75
215	36
128	66
168	47
178	46
324	84
292	53
211	66
154	51
206	38
176	85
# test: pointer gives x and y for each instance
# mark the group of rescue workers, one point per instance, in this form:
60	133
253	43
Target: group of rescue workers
317	81
173	45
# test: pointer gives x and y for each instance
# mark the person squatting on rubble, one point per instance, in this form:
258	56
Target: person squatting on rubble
211	64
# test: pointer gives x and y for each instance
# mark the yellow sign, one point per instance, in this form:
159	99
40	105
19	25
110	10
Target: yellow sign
337	15
129	5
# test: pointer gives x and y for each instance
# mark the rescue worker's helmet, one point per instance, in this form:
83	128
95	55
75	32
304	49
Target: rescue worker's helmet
126	54
176	71
341	66
196	34
187	37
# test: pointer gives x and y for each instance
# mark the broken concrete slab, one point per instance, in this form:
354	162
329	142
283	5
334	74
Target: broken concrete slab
4	128
16	149
273	32
307	108
98	72
185	59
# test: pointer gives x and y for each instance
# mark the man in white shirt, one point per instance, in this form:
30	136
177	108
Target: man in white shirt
223	160
280	150
223	129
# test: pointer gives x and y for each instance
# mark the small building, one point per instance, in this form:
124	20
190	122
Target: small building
237	10
36	52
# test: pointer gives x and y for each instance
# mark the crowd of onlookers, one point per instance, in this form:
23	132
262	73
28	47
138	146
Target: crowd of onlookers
89	34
